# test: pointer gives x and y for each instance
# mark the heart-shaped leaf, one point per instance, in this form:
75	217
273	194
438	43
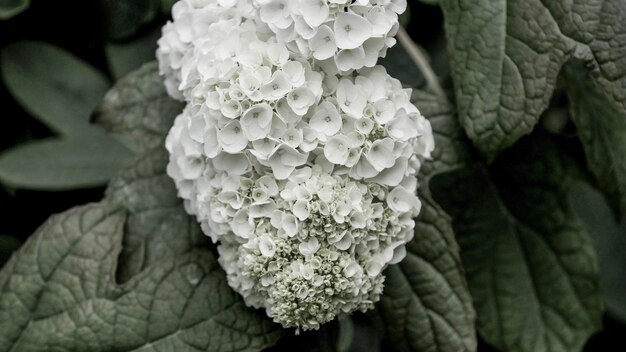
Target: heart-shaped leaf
506	55
58	292
530	264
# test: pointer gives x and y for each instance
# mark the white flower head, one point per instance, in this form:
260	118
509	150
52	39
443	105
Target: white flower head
298	161
352	34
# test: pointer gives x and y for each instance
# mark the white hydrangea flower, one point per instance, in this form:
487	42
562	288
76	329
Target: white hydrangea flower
306	178
201	27
347	34
308	231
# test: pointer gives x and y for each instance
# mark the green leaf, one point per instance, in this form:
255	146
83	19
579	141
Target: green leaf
506	55
610	243
601	126
127	57
530	264
59	293
59	164
53	85
8	245
426	303
10	8
138	109
122	19
346	334
399	65
157	225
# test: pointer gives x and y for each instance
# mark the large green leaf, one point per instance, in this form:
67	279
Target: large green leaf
130	273
59	293
601	126
426	305
506	55
610	242
10	8
60	164
157	224
53	86
138	109
530	264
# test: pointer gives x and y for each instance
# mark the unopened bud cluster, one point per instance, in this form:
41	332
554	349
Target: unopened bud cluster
304	174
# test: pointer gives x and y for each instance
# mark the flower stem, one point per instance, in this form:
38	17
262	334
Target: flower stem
420	60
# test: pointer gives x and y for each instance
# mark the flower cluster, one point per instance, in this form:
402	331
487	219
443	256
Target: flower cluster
347	34
305	178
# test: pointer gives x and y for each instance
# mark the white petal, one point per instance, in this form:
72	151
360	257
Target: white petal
231	138
235	164
300	99
290	224
274	11
363	169
284	160
242	224
278	54
268	184
401	200
267	246
301	209
337	150
293	137
351	30
380	154
277	87
326	119
314	12
191	167
393	175
351	100
350	59
323	43
256	122
295	71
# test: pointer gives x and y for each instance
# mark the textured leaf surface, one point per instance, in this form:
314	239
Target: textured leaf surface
610	243
58	293
59	164
138	109
506	55
127	274
10	8
601	126
426	304
157	225
530	264
53	85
